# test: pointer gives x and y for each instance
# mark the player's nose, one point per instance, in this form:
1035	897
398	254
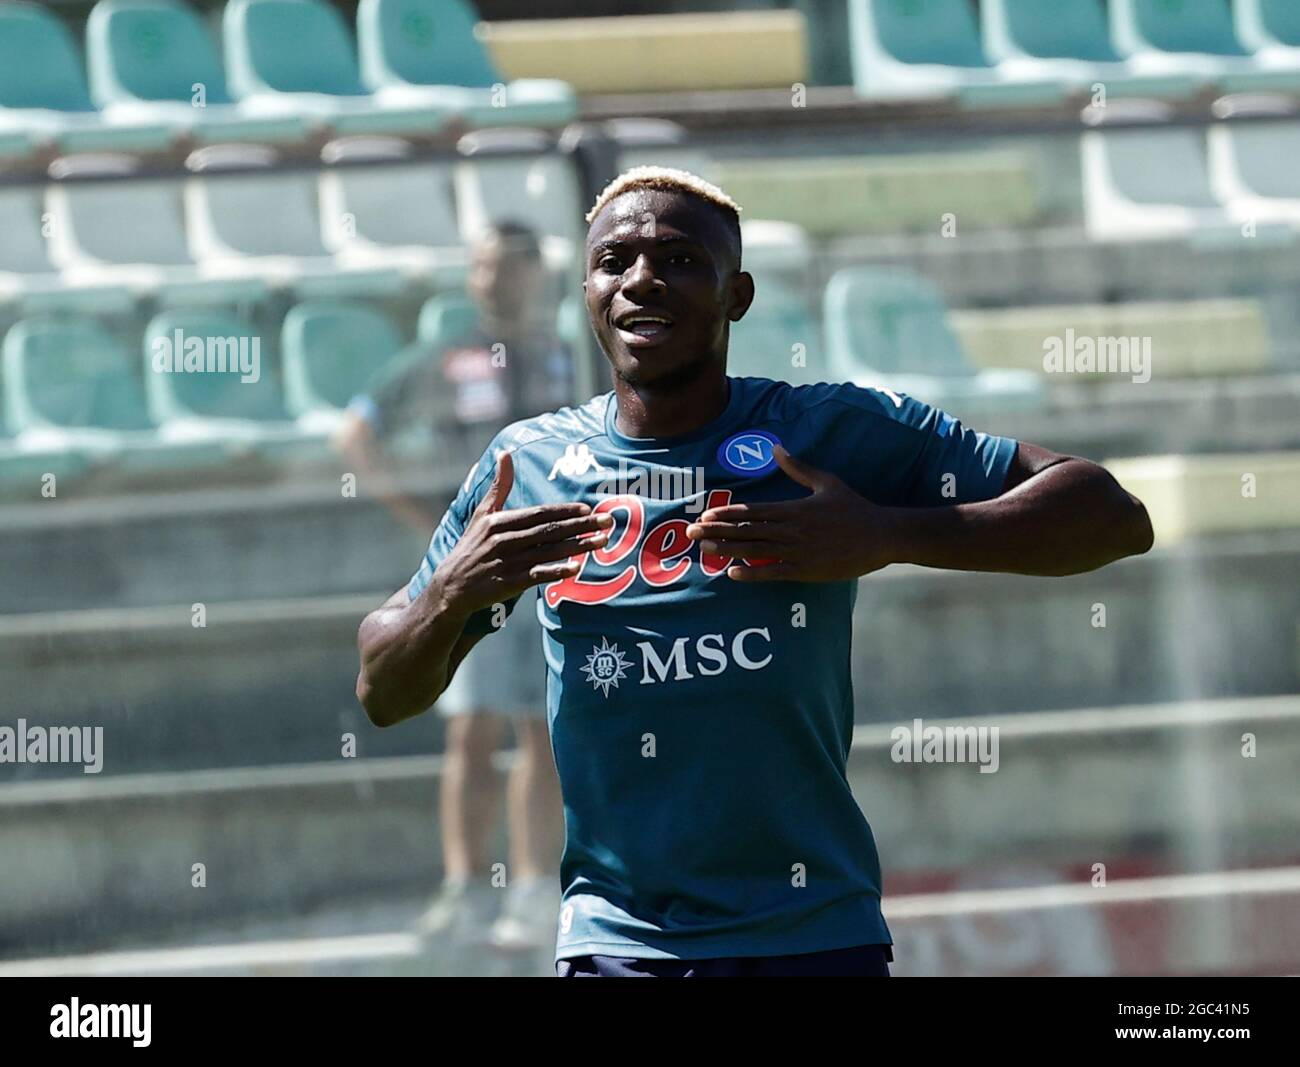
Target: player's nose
640	277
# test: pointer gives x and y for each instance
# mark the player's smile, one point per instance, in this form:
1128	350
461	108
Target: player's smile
643	327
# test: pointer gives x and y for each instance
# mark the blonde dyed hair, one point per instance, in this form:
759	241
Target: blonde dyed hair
668	180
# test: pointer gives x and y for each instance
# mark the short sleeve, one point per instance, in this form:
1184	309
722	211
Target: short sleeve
449	532
907	453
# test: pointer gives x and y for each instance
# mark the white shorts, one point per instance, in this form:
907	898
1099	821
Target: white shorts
505	674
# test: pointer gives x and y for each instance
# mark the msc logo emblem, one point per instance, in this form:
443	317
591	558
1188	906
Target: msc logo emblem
605	667
748	453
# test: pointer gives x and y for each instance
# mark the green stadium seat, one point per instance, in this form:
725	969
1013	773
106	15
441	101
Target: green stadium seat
1146	183
213	403
144	58
129	232
931	48
514	175
446	319
1270	30
330	350
43	90
71	388
1068	40
779	337
418	51
1245	173
367	221
1192	36
28	278
297	57
266	225
571	324
890	328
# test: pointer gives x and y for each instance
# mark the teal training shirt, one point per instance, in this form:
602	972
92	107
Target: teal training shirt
700	725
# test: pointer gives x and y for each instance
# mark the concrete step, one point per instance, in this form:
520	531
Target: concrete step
99	862
1206	924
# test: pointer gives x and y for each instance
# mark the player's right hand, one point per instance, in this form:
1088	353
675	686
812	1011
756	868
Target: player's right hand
502	553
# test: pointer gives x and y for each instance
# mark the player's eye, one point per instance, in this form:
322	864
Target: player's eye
609	263
683	258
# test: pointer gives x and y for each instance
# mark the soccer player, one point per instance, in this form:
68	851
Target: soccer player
697	541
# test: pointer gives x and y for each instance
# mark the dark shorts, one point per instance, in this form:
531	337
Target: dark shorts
864	961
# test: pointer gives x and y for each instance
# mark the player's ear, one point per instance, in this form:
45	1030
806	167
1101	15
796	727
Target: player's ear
740	295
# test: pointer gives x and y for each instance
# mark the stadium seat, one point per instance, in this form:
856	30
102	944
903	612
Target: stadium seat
330	350
571	324
890	328
28	278
1245	173
128	231
446	319
297	57
833	197
212	402
43	91
256	223
1270	29
1192	37
144	59
514	175
416	52
931	48
779	337
367	216
1067	40
70	387
1147	182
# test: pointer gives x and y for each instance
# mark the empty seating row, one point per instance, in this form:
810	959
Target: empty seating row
207	389
290	66
1142	177
227	235
1027	52
834	196
1200	495
890	327
1164	180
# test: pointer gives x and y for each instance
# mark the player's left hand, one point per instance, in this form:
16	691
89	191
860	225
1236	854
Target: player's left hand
833	535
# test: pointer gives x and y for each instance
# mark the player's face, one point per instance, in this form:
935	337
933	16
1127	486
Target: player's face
662	286
502	281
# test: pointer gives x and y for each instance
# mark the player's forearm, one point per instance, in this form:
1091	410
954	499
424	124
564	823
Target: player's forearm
1070	518
406	655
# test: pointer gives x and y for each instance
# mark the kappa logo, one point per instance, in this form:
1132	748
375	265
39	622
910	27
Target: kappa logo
575	461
